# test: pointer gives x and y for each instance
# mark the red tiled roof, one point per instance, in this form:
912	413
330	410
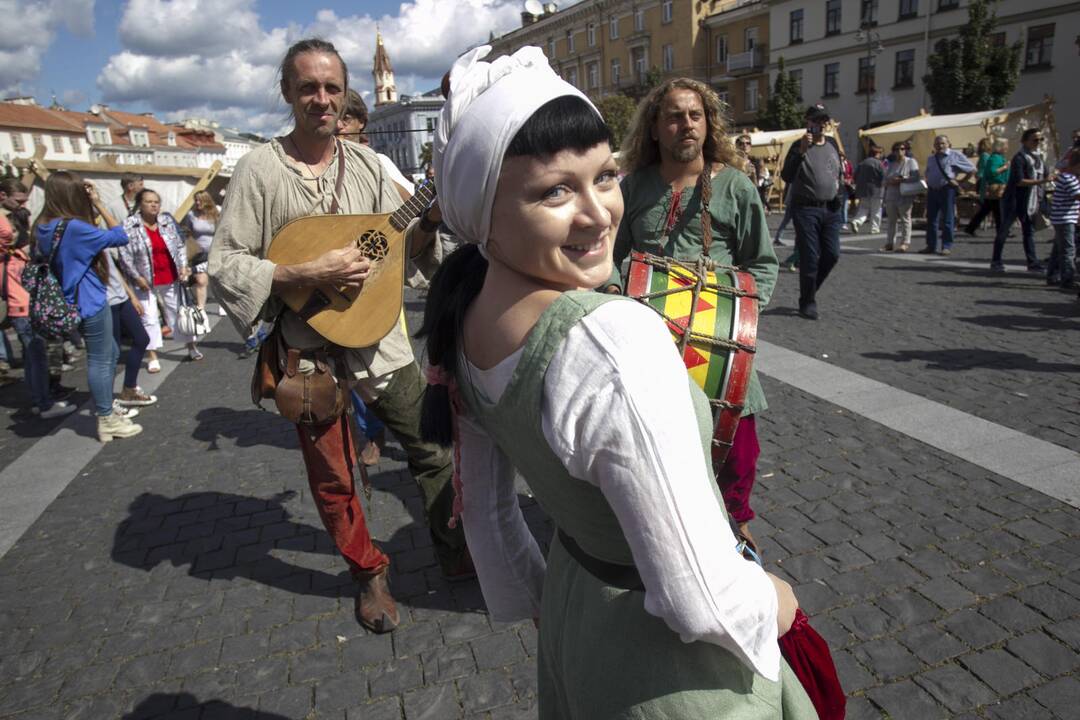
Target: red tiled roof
35	117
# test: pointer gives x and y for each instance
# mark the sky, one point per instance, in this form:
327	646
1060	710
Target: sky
218	58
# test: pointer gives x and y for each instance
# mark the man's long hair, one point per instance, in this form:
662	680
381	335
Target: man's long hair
640	150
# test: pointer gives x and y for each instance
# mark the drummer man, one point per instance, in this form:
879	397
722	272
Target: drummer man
676	148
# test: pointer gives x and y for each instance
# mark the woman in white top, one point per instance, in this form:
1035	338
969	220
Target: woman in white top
586	396
901	169
200	224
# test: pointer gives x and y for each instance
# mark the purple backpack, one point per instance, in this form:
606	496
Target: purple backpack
51	315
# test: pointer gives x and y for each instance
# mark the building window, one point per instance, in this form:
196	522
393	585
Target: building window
905	69
641	63
721	48
430	124
866	74
832	17
750	38
796	79
750	98
613	27
571	76
39	140
616	72
76	144
908	9
1040	46
725	97
569	41
57	144
551	48
669	58
639	20
996	39
868	12
796	26
666	11
594	75
139	138
17	142
832	80
590	32
944	5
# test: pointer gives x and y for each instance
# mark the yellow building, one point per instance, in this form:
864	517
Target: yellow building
737	35
609	46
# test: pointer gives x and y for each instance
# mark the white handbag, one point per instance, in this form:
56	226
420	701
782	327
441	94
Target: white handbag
190	319
911	188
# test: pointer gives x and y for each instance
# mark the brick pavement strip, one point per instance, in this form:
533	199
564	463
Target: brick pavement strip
200	584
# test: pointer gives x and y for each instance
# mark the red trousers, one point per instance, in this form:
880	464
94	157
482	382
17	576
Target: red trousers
736	476
330	456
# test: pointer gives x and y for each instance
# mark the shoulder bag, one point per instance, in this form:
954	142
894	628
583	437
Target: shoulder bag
191	320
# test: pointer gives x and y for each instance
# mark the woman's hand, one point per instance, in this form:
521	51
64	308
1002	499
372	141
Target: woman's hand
786	604
143	284
185	273
91	192
136	305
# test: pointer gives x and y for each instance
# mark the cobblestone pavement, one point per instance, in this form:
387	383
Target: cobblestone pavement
185	574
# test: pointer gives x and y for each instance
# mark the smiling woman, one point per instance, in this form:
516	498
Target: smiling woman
585	396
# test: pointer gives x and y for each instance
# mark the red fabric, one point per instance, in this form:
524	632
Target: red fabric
164	269
808	655
330	457
736	476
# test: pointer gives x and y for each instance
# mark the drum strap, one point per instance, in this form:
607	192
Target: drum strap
705	181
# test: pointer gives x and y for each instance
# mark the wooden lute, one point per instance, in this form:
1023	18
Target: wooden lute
351	317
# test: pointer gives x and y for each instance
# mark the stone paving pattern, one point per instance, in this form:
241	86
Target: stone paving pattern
186	575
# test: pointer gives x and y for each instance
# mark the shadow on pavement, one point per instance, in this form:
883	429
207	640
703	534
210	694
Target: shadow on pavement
247	428
1019	323
186	703
961	359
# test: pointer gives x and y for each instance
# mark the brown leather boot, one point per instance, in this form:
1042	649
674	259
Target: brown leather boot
375	606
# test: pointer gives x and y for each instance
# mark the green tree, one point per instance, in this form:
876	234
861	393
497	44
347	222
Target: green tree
971	72
782	111
425	154
617	110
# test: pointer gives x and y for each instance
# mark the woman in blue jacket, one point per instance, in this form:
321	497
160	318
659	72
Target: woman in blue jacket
83	274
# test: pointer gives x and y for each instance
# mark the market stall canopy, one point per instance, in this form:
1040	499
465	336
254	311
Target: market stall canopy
771	145
966	129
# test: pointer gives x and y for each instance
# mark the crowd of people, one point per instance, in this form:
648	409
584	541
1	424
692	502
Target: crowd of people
531	370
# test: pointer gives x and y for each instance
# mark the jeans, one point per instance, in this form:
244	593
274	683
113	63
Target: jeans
35	363
1015	209
817	238
369	424
101	357
1063	258
940	205
988	206
784	221
124	317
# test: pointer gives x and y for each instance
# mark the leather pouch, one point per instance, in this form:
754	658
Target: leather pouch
311	398
268	369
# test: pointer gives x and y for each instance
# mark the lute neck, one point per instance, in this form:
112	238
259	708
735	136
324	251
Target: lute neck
412	207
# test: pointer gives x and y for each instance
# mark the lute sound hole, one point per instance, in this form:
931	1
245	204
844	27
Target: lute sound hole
374	245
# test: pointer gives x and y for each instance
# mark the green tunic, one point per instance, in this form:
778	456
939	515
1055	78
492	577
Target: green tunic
601	655
740	235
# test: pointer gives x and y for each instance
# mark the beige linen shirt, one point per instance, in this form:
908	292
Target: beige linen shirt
267	190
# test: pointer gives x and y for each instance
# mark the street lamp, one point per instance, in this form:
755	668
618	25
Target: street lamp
868	36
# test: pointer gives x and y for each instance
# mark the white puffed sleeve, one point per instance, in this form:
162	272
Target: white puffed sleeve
628	426
508	561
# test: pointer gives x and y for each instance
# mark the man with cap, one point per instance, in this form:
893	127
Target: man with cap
683	172
310	171
815	173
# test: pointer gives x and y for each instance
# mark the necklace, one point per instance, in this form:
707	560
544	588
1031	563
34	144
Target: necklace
300	155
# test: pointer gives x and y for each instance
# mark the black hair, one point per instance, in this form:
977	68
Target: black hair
1029	132
287	70
10	186
138	200
565	123
127	179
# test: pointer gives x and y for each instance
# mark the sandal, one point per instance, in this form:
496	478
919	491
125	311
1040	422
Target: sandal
903	248
153	367
194	354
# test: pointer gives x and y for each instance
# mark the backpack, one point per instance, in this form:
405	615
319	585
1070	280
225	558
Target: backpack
51	315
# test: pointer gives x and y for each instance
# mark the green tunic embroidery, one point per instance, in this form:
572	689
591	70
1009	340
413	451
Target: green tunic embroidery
601	655
740	235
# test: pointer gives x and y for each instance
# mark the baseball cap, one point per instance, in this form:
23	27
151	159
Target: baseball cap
817	111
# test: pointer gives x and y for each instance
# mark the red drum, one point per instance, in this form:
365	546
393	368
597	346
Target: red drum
712	313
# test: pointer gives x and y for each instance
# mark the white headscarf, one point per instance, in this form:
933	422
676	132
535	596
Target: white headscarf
488	104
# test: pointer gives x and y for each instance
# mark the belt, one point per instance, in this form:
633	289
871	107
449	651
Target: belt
810	203
625	577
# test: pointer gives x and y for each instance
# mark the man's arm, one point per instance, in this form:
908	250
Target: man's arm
753	244
791	164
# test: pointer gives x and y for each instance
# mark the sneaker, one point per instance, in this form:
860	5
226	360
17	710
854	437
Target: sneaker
66	367
58	409
60	392
221	311
1037	268
131	397
194	354
927	251
945	252
126	412
997	267
114	426
808	312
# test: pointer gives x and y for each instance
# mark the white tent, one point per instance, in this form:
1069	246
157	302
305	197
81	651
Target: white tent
772	147
967	129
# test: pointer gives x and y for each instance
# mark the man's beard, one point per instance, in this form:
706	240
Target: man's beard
686	153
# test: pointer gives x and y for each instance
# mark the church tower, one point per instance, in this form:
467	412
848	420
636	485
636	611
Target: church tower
385	91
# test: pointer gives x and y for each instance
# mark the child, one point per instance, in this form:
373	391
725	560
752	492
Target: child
1063	216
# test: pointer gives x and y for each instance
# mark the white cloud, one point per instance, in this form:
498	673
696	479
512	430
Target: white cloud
29	29
217	61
